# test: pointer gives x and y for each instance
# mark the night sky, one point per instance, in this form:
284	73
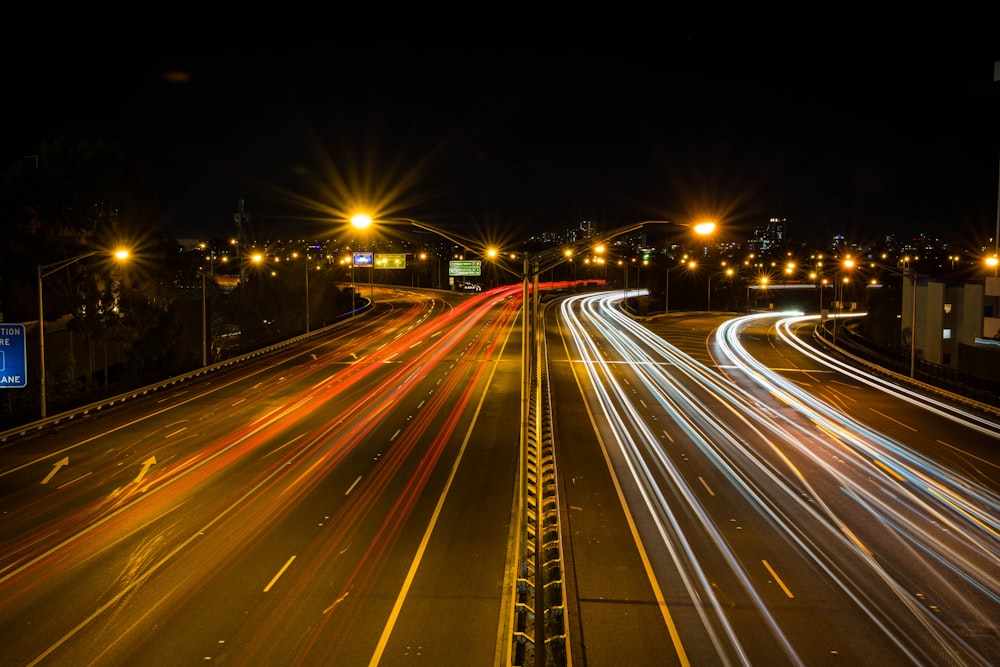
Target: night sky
508	137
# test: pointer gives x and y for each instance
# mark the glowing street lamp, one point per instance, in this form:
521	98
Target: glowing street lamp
305	258
349	259
763	285
706	228
690	264
45	270
847	264
820	285
363	221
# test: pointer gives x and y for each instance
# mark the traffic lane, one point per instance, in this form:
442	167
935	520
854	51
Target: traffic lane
244	457
960	444
172	510
736	555
342	344
98	459
890	496
889	607
349	635
455	610
368	570
613	614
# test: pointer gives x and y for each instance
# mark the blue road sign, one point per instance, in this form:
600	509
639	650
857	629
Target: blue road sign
364	259
13	359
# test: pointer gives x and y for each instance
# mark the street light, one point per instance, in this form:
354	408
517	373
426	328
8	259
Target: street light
691	264
45	270
363	221
204	301
913	320
622	263
708	301
763	285
204	321
354	288
848	264
305	257
701	229
729	273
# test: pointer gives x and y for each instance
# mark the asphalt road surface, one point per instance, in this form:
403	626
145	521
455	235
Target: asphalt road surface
722	510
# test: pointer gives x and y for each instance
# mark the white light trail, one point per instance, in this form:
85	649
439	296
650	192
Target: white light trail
862	488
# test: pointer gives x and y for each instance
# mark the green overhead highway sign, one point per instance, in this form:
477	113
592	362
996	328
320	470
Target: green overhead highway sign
389	260
457	267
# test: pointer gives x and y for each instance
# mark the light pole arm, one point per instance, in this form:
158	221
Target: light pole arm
637	225
561	258
43	271
454	238
537	269
457	240
55	266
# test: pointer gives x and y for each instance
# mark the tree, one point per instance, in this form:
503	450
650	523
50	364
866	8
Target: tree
73	199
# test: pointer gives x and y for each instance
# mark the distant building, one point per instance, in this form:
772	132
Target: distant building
770	236
952	323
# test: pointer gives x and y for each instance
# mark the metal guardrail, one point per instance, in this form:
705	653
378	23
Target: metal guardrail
977	393
540	636
113	401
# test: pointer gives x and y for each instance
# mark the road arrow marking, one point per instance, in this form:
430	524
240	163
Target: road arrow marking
55	468
146	465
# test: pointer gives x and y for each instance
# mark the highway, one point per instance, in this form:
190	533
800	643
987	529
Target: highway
730	496
346	500
727	494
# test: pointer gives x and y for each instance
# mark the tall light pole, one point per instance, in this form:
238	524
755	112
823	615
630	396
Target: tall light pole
701	229
691	264
708	302
305	258
763	285
204	300
363	221
624	266
354	287
730	272
204	321
847	264
45	270
822	283
913	321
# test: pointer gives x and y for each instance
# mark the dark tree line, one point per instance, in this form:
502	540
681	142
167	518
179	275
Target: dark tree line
68	209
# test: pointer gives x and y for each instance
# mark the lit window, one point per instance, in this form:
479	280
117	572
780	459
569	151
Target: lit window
947	334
